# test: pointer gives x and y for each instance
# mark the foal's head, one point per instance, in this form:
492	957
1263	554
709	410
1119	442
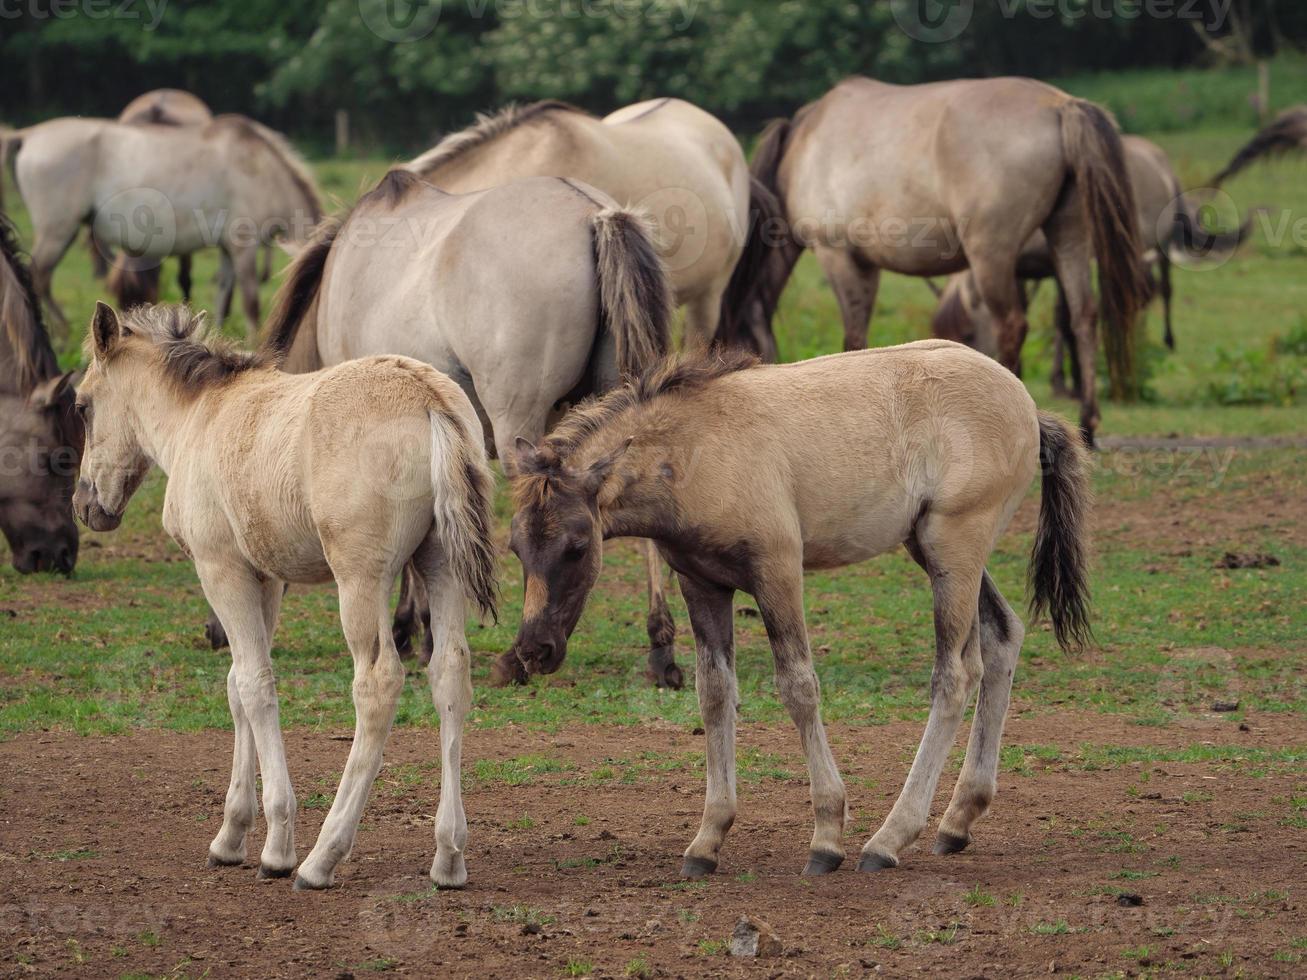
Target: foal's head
558	537
113	462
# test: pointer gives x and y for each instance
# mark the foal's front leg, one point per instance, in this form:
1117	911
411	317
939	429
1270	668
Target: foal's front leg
780	600
378	682
714	639
247	609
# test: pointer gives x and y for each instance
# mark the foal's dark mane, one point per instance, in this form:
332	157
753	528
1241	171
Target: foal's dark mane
682	374
193	359
31	358
487	128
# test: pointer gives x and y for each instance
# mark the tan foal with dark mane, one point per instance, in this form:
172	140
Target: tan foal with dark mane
747	475
348	474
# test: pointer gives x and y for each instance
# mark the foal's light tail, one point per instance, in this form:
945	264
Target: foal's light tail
463	489
1092	149
1059	565
635	296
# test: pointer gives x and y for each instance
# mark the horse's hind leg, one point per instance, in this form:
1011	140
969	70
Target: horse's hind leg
714	639
855	283
450	674
997	282
663	671
184	276
1001	634
50	245
952	549
1164	286
246	263
1068	237
378	682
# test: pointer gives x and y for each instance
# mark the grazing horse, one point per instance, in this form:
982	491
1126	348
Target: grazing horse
40	440
665	156
1286	133
155	191
529	295
931	179
1170	231
161	107
277	478
746	476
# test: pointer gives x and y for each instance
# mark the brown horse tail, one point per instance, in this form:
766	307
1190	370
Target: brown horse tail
1059	564
463	494
1190	240
133	284
1092	148
635	296
284	342
750	301
1286	132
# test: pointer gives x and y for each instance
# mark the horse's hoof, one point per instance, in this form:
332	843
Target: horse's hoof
822	862
697	867
217	862
267	874
449	872
302	884
871	861
215	634
403	637
947	843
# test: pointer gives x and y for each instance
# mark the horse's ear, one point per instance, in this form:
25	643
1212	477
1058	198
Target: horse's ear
527	456
105	329
597	472
53	393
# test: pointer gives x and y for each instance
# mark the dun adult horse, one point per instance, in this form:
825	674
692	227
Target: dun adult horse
155	191
40	439
665	156
931	179
529	295
1284	134
1170	231
354	498
746	476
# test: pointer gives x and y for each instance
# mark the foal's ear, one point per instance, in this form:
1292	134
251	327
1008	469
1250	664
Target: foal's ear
527	456
105	329
598	471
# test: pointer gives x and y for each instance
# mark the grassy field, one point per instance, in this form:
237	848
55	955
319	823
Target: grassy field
120	645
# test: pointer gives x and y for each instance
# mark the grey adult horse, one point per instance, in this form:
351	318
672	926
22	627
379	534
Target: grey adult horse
155	191
530	295
931	179
669	158
40	437
1170	231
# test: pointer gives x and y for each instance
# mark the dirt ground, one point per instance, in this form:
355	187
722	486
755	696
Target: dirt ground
1189	867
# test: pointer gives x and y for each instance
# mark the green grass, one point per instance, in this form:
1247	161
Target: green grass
120	647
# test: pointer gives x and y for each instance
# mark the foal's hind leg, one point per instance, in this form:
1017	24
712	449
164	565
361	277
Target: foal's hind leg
855	283
378	682
952	549
1001	634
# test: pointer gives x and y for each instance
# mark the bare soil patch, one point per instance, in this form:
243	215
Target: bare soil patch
102	847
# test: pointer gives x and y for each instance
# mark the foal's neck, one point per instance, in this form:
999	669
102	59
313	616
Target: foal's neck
161	416
639	499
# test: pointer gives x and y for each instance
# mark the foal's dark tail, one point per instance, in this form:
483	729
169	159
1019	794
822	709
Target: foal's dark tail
635	295
1059	565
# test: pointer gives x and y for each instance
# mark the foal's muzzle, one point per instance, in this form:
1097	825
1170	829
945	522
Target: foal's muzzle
87	506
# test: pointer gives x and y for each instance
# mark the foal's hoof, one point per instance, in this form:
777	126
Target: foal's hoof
217	862
267	874
947	843
697	867
822	862
871	861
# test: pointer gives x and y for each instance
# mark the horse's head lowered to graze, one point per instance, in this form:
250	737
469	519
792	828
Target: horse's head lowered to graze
557	536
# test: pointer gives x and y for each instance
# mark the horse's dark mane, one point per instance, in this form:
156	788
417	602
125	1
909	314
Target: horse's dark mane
683	374
192	358
34	359
487	128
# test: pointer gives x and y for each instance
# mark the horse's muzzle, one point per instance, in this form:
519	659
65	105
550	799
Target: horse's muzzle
87	506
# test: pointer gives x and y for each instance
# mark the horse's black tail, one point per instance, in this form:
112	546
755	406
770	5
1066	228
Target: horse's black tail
1288	131
1059	564
751	297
